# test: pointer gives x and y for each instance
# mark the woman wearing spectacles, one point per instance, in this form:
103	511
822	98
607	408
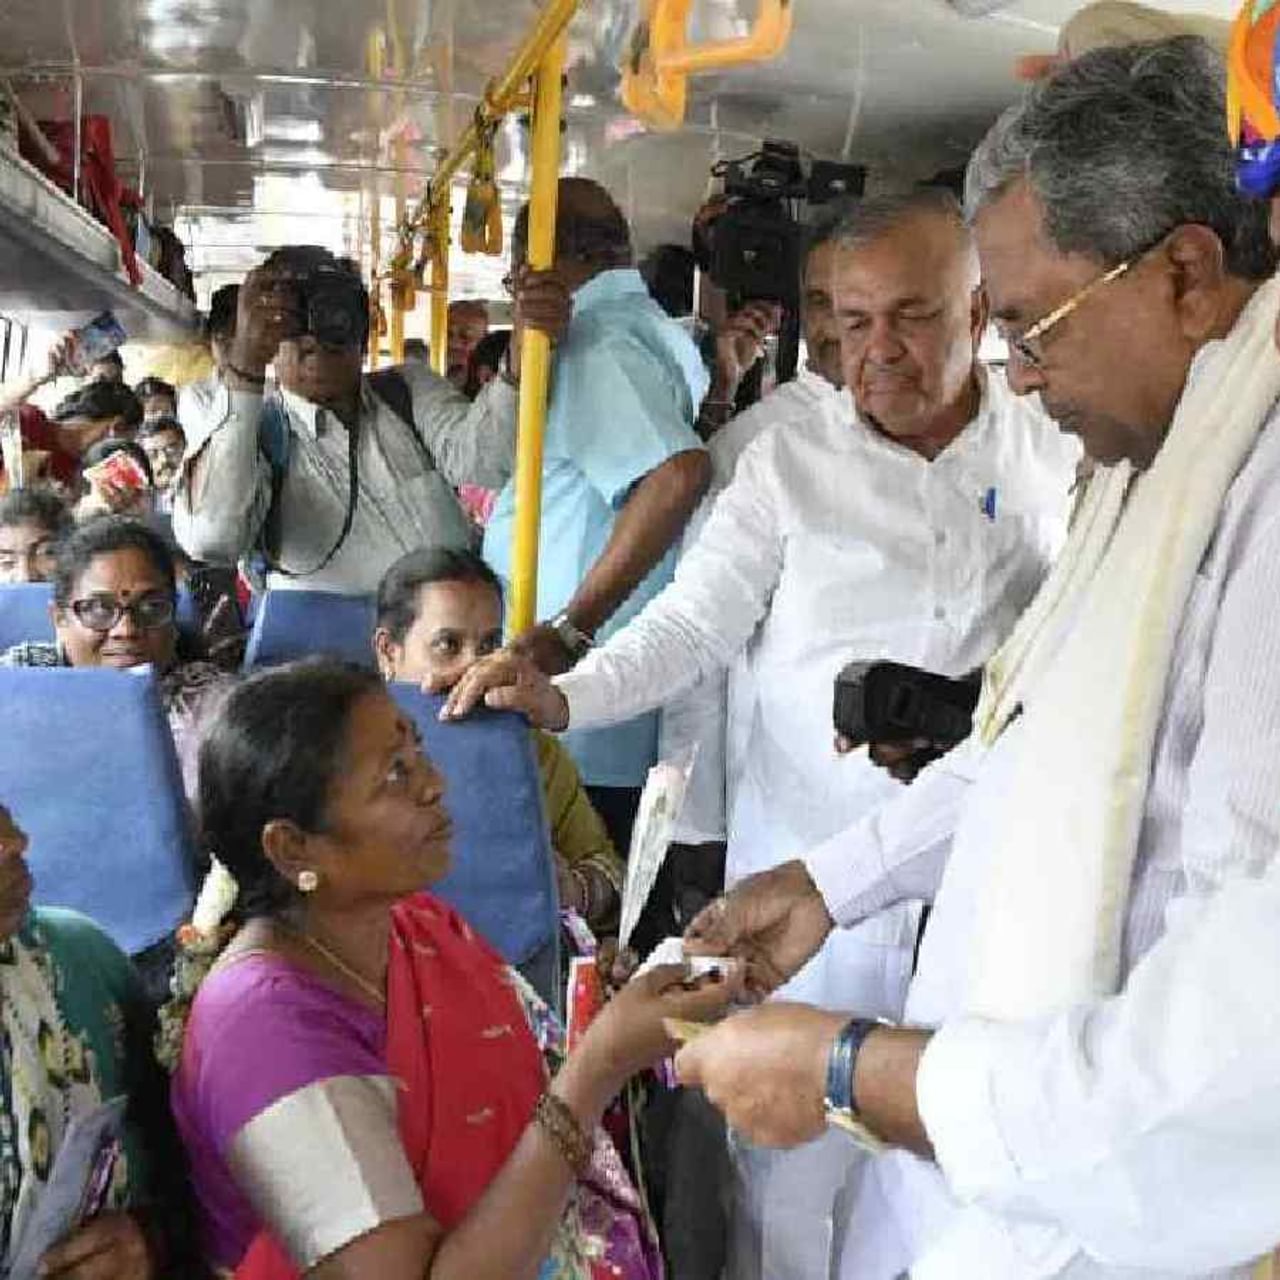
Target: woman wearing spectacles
115	605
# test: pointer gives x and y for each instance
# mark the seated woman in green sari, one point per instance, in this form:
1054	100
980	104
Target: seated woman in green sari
77	1032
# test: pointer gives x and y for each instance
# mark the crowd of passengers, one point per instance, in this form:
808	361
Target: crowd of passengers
1035	968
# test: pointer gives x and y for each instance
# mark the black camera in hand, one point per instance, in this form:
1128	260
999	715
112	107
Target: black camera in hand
331	303
889	702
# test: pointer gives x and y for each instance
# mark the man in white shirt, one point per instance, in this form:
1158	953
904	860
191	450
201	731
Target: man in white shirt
357	471
697	720
1103	1103
916	527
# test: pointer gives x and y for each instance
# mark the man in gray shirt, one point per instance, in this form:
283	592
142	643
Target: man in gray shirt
336	475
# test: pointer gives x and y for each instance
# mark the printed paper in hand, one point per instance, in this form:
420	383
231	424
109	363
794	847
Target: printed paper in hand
660	804
77	1186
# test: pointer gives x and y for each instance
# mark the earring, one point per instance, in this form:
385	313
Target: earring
308	881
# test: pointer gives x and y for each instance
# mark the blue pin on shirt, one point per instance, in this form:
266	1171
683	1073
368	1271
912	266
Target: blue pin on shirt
989	503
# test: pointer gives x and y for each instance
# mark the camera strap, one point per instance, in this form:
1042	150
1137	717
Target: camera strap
273	440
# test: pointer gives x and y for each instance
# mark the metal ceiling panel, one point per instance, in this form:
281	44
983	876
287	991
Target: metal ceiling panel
224	105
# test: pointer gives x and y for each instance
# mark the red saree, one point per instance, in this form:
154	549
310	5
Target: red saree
460	1046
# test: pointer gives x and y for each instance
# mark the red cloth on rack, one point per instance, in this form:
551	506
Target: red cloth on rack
101	191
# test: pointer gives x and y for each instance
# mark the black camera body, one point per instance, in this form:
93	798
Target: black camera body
758	241
889	702
331	306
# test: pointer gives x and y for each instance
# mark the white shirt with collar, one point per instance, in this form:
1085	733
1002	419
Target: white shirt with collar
833	544
1115	1140
697	720
405	498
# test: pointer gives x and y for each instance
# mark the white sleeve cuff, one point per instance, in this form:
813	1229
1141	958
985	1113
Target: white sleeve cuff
959	1096
844	868
587	695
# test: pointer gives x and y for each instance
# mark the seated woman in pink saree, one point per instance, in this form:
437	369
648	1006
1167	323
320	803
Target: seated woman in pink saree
364	1088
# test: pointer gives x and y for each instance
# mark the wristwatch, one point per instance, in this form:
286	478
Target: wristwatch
840	1101
574	639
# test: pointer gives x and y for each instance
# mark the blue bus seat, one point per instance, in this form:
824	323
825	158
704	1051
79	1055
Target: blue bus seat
301	624
188	611
89	771
24	613
503	876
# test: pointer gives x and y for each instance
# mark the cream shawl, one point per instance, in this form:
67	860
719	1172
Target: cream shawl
1088	665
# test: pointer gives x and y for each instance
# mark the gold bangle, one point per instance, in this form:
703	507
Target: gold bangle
555	1118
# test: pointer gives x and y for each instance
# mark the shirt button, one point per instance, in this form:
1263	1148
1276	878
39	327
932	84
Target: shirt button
940	613
940	538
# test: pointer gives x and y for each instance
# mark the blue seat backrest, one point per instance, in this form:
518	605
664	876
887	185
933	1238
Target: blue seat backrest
299	624
503	878
88	768
188	613
24	613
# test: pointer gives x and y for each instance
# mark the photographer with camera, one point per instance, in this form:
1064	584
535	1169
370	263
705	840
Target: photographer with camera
915	522
336	475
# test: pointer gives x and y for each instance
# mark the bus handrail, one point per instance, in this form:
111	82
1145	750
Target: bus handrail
661	58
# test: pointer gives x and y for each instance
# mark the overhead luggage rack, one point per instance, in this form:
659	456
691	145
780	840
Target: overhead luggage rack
59	263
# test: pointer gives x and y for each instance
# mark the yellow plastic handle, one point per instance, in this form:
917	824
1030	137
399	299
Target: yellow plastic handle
655	77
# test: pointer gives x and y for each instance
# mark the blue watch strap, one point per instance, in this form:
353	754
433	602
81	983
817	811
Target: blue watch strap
841	1064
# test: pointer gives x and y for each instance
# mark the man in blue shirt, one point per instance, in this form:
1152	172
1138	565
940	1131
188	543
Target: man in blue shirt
622	472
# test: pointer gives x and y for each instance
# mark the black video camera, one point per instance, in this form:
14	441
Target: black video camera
755	245
888	702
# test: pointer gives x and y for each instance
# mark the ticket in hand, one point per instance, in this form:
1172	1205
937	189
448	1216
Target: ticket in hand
120	470
671	951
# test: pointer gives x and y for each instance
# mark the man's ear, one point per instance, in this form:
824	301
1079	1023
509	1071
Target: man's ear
979	315
387	652
1199	263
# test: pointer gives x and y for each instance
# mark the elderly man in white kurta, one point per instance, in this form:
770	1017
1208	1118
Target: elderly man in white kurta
1084	1106
912	521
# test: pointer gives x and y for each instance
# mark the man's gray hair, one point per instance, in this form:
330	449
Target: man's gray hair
867	220
1120	147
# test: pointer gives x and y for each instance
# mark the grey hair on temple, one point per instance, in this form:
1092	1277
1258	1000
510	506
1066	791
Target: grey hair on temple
1122	146
869	219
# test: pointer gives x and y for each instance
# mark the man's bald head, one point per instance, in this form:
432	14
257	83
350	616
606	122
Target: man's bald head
591	233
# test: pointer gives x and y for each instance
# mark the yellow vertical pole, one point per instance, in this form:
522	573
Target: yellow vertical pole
535	347
376	60
440	216
400	152
375	286
398	293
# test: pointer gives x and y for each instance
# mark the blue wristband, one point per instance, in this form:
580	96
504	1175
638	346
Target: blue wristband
842	1062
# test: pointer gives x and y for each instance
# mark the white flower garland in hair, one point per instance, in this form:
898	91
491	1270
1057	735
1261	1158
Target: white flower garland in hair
199	943
217	896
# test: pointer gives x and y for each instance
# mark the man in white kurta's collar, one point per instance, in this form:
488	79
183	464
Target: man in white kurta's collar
914	527
1086	1105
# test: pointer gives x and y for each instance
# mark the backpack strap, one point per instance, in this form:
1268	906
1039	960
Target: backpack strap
392	388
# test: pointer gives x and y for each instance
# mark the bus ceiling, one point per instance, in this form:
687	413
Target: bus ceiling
245	124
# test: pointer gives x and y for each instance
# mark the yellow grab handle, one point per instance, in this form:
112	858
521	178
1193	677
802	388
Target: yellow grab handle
654	78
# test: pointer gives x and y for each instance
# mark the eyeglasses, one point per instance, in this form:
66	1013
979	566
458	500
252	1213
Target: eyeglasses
39	555
1021	343
102	612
